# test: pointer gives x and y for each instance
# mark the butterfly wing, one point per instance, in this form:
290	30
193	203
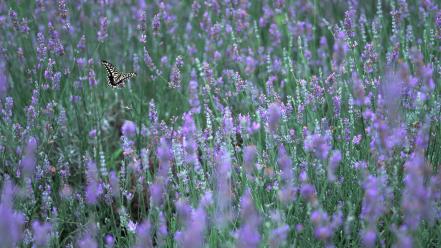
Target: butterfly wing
124	76
112	73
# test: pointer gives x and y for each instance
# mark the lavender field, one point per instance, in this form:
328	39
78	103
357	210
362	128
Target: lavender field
285	123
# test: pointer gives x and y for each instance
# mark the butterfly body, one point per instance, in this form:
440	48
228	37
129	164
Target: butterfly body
116	78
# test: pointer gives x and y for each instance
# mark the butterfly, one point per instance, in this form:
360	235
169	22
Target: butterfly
114	77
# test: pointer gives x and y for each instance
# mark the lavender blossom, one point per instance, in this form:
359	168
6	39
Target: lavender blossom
114	184
189	143
162	231
175	75
349	23
28	161
324	226
93	189
374	205
223	192
249	160
369	57
128	129
285	164
248	234
143	235
87	241
334	162
278	236
340	50
102	33
317	144
164	154
4	85
416	195
193	234
274	115
41	233
193	94
11	222
82	43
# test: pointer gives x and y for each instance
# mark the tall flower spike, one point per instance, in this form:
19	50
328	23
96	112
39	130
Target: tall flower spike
93	188
248	234
274	114
249	160
102	33
193	234
11	222
41	233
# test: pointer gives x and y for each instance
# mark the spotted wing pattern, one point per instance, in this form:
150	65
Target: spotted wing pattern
114	77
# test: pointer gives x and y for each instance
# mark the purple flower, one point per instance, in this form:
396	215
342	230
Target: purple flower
193	98
317	144
248	234
416	196
11	222
128	129
92	133
341	48
41	233
29	159
81	62
349	23
141	26
249	160
276	36
175	75
374	205
93	188
3	79
368	237
324	227
193	234
403	237
374	200
307	191
114	184
285	164
223	191
92	78
156	23
157	189
109	241
62	9
87	241
82	43
148	60
274	114
156	192
369	57
278	236
164	154
228	122
251	64
7	109
14	19
54	43
334	162
189	143
102	33
358	90
144	235
162	231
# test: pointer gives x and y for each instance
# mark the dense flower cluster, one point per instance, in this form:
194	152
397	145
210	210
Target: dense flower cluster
249	124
